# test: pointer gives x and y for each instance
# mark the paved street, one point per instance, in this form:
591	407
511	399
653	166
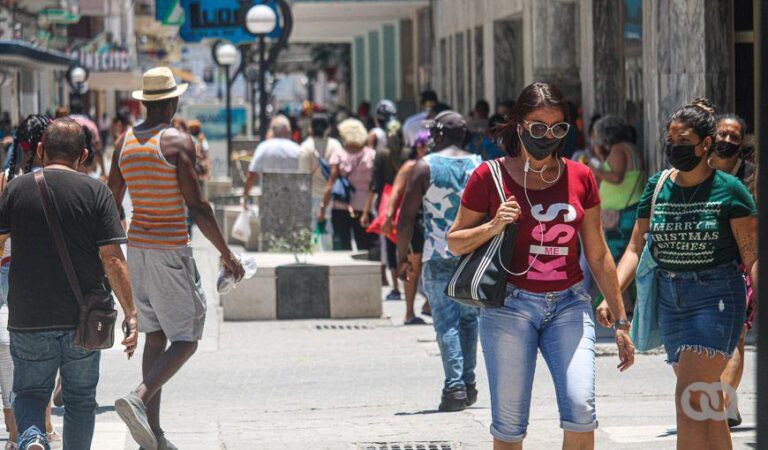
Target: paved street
336	384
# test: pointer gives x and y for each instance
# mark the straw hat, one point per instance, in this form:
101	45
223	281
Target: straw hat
159	84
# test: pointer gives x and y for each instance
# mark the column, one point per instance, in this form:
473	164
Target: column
602	57
508	60
28	93
358	71
553	45
374	68
390	61
687	53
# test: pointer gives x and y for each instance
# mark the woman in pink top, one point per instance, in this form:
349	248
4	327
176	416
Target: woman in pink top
356	165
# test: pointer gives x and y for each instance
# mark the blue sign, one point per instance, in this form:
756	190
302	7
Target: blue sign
213	120
219	19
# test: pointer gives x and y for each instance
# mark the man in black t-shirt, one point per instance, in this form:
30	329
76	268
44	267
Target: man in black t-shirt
42	306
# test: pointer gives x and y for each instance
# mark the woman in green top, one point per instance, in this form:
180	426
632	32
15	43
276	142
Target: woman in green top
620	175
702	225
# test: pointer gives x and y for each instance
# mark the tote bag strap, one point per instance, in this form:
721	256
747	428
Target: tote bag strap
498	180
659	185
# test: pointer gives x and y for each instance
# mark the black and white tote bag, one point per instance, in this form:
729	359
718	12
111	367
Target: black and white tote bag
481	278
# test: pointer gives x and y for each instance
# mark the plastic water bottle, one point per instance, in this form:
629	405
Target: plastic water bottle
226	281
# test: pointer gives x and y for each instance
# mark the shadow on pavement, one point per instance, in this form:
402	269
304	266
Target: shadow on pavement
99	410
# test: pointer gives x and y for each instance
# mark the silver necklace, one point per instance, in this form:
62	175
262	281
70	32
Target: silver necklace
686	201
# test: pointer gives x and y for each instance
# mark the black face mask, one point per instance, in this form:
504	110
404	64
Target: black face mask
540	149
725	149
683	157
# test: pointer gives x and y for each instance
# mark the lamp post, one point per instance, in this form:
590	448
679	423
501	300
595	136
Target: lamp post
225	56
260	20
77	77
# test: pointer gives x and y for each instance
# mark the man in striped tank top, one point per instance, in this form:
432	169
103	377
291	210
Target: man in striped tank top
156	163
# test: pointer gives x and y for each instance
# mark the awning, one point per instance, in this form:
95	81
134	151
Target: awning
114	81
342	20
24	55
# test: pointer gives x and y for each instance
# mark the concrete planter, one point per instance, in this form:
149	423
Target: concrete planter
330	285
302	291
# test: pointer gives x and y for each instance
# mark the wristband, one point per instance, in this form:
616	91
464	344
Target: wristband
621	324
596	302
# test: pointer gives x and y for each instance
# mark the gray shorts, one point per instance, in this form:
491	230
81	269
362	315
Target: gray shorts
168	293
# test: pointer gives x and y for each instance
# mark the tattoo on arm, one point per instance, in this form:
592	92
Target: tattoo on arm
747	243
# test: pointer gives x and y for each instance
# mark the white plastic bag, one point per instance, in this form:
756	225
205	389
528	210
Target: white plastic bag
241	230
226	282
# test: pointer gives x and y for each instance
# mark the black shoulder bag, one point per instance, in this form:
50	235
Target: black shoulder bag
96	321
481	279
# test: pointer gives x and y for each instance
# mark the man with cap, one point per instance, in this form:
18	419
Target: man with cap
413	124
438	182
157	165
385	111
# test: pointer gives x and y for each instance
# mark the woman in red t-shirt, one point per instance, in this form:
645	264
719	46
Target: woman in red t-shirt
553	202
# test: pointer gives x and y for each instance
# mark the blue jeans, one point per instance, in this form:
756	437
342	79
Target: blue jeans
560	324
4	272
455	325
701	311
37	357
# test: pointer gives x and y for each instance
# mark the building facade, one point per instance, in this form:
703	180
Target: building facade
637	58
640	59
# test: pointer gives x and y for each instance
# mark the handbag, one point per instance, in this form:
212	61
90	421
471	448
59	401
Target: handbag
376	225
480	278
342	190
645	331
97	316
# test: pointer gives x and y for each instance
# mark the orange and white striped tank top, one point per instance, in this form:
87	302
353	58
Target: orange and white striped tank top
159	211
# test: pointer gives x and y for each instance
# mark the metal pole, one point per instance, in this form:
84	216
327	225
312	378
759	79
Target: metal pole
761	131
252	87
229	122
262	90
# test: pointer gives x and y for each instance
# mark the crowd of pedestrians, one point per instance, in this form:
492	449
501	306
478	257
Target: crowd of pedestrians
672	252
583	207
64	221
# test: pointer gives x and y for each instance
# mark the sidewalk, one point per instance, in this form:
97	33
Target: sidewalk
335	385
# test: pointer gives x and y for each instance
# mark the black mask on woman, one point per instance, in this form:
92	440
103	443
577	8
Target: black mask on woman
725	149
683	156
540	149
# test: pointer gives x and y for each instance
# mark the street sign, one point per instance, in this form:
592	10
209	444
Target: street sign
220	19
169	12
58	16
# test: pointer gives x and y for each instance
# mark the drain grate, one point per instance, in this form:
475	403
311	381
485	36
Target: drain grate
428	445
333	326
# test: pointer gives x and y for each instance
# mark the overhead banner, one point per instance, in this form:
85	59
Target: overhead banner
211	19
169	12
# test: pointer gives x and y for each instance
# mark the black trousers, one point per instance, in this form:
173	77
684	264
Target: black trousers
345	226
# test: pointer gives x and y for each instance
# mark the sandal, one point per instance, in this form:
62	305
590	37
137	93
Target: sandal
415	321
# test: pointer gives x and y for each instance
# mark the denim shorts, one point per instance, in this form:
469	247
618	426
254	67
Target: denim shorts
701	311
561	326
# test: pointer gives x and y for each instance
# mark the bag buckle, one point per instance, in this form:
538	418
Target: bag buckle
98	327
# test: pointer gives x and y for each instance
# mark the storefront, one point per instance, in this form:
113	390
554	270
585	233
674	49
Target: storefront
31	79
